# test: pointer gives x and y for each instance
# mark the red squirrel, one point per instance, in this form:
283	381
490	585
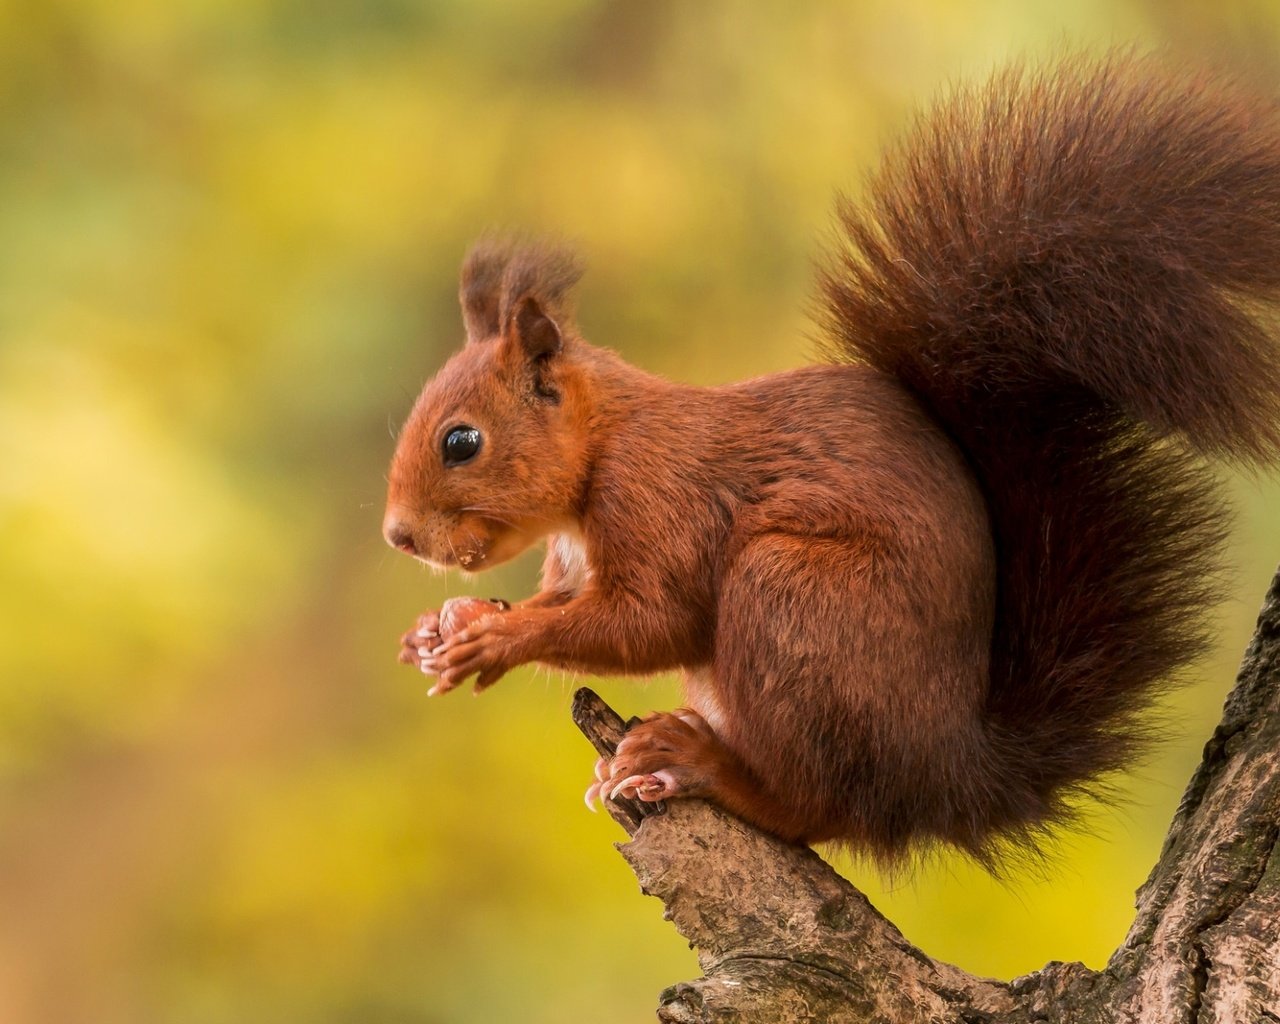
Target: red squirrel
924	591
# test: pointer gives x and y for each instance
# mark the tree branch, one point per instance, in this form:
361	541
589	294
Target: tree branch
782	938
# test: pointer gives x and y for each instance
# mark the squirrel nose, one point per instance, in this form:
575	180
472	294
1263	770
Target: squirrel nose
399	536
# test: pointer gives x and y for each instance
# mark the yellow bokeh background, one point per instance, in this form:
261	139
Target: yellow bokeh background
230	235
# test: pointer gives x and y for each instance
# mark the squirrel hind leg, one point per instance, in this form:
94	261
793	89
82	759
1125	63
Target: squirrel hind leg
852	690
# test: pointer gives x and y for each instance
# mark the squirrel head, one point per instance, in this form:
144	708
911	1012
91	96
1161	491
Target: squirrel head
494	455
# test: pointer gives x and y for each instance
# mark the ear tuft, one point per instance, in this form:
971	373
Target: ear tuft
520	290
480	288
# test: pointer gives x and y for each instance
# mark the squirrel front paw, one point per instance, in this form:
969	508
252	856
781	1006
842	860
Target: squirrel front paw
668	754
423	645
420	640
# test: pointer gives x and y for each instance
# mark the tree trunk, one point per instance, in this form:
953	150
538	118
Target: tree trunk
782	938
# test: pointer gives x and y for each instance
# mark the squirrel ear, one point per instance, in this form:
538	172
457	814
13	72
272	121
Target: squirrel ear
530	328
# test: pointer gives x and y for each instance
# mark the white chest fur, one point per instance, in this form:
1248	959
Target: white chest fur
571	555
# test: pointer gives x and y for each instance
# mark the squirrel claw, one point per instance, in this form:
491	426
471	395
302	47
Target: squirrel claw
649	787
596	790
631	782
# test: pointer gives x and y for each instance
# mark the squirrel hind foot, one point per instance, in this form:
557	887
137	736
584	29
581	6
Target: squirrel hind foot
668	754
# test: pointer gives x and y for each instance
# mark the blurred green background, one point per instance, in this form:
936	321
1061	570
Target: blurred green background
230	235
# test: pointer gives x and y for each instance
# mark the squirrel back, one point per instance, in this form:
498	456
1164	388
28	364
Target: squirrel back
1074	271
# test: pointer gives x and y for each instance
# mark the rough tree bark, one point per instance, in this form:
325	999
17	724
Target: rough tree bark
782	938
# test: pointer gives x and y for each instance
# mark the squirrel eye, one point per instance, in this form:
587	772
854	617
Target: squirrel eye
461	445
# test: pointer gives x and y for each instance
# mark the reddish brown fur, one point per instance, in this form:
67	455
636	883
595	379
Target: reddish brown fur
922	596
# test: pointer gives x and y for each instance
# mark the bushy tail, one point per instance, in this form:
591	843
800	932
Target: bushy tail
1075	271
